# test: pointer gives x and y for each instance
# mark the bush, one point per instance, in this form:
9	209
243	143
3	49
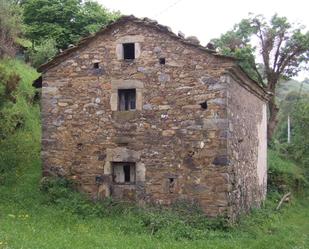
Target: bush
284	175
184	220
61	192
20	126
42	52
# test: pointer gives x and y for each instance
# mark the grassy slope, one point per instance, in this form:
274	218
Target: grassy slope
26	222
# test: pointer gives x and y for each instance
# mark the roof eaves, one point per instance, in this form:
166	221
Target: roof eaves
249	83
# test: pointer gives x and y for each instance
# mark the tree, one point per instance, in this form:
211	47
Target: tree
282	46
300	133
92	17
42	52
10	26
55	20
64	21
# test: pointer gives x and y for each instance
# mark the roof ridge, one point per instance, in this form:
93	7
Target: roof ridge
145	21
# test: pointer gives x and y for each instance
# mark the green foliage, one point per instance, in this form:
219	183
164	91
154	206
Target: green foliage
64	21
183	221
19	126
236	42
296	106
283	47
92	17
10	26
299	146
44	51
284	175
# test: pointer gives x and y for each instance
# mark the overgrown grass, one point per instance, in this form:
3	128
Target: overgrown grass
30	219
20	122
48	215
284	175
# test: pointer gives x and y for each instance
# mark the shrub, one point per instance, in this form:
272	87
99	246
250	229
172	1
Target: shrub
184	220
42	52
284	175
62	192
20	125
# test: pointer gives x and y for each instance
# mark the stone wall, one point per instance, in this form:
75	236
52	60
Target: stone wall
247	147
180	148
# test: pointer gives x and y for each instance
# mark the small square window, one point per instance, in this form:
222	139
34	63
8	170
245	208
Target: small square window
128	51
123	172
162	61
126	99
96	65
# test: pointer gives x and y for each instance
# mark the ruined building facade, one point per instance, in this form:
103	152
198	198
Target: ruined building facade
140	114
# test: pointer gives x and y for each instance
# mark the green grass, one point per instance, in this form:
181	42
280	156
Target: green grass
28	220
284	175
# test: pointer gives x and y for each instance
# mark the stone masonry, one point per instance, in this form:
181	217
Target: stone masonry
196	130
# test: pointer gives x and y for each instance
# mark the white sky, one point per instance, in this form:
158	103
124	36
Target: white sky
208	19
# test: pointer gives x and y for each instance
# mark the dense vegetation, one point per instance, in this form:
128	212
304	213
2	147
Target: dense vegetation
64	21
44	27
19	114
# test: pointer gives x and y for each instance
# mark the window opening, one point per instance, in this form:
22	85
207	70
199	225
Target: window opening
96	65
126	99
171	186
128	51
204	105
126	170
123	173
162	61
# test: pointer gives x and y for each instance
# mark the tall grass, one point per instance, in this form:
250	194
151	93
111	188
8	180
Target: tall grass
20	123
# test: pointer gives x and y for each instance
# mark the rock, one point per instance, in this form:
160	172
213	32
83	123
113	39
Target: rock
181	35
164	107
221	160
193	39
207	80
166	133
147	107
163	77
62	104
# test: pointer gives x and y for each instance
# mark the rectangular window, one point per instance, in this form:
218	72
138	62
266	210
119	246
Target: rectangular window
123	172
126	99
128	51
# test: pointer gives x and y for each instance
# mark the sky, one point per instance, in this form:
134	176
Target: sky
208	19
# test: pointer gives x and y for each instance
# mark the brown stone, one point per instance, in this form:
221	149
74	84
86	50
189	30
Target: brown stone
166	147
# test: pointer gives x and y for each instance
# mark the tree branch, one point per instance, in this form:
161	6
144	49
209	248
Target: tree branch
278	51
260	78
287	60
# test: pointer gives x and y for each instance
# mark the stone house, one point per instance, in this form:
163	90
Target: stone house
138	113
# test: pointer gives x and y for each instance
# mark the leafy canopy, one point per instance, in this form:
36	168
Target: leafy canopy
64	21
282	46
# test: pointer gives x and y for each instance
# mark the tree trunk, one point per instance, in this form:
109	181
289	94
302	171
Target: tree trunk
272	120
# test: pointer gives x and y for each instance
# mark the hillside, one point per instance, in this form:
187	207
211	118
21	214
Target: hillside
286	87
